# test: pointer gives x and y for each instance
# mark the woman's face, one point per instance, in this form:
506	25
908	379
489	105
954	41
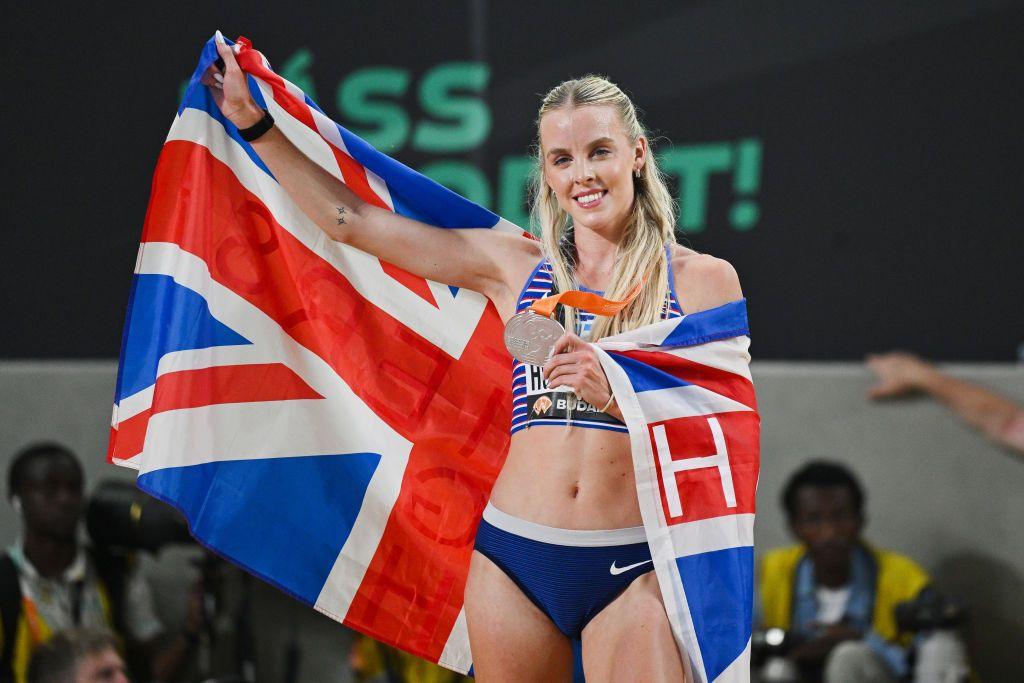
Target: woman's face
589	163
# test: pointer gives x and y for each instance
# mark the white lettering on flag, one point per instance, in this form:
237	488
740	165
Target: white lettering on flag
670	467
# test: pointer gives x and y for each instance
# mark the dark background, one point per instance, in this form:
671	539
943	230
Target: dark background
890	197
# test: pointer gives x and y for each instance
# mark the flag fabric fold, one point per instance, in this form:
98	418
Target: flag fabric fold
334	424
685	392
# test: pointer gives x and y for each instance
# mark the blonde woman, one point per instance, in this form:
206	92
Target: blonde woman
561	552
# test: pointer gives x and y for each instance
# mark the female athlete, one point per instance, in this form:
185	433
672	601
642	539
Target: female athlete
561	554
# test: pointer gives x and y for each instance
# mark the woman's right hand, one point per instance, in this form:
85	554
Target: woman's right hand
230	89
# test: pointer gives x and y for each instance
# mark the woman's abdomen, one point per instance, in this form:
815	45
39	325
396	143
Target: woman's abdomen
570	478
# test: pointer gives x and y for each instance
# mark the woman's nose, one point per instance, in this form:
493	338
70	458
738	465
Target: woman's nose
584	172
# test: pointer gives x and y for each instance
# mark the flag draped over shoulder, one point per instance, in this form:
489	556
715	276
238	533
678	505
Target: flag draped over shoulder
684	389
334	424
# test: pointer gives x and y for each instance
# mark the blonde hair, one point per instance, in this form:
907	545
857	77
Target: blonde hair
641	251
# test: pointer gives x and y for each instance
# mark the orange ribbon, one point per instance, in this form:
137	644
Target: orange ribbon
586	301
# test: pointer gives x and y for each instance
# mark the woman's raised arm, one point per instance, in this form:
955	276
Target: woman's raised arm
482	260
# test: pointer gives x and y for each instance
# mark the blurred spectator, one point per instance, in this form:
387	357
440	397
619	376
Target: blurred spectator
374	662
836	598
78	656
49	583
902	374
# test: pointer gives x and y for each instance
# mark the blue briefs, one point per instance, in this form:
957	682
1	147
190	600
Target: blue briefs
571	575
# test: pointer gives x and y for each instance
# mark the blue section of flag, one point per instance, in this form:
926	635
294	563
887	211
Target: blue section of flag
719	589
198	96
646	377
207	56
436	204
286	519
312	104
722	322
164	317
402	208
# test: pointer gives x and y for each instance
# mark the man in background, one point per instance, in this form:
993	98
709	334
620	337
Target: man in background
836	596
50	583
78	656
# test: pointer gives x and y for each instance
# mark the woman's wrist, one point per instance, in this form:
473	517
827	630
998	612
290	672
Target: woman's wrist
247	116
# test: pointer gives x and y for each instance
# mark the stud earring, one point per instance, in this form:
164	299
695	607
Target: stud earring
636	172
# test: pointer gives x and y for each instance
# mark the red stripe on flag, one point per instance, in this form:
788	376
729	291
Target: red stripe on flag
455	411
127	440
229	384
207	387
352	171
415	283
728	384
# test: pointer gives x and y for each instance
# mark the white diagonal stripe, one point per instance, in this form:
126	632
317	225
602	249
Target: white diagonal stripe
659	405
456	654
710	535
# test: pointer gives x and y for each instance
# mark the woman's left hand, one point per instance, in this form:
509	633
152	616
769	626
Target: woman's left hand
574	363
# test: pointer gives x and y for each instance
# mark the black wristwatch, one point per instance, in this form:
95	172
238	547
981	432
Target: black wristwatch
257	129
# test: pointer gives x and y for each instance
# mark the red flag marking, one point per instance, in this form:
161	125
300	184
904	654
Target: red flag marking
207	387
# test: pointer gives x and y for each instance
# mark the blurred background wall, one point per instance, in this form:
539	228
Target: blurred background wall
859	163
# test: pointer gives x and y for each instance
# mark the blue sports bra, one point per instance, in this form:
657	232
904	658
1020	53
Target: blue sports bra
532	402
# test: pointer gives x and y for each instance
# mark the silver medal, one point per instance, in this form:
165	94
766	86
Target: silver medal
529	337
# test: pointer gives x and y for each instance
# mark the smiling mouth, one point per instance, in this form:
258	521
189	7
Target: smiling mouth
590	199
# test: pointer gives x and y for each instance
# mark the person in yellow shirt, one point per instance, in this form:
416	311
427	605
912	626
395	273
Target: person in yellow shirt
374	662
836	596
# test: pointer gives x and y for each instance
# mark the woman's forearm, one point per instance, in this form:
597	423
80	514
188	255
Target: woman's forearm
323	198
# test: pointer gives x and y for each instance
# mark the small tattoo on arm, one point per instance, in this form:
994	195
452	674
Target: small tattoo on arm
341	215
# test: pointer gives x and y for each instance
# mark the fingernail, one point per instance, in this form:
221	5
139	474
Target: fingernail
219	37
218	78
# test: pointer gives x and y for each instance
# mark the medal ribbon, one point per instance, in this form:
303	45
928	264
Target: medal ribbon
586	301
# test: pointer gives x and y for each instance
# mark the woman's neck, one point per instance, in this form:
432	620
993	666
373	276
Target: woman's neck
595	258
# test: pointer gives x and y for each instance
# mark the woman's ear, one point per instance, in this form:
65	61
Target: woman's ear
640	152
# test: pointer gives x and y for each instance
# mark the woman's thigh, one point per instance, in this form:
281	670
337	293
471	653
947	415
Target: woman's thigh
511	639
631	639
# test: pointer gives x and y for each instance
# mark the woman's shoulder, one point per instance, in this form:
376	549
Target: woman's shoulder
703	281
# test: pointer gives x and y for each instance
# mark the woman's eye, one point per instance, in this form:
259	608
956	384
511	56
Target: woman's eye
601	151
561	161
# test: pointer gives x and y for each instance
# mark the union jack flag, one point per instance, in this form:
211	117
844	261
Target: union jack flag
334	424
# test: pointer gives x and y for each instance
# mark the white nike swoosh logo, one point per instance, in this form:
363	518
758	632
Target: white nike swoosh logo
620	570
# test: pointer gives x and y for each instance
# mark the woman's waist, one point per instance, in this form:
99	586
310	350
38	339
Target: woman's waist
594	538
544	441
581	480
